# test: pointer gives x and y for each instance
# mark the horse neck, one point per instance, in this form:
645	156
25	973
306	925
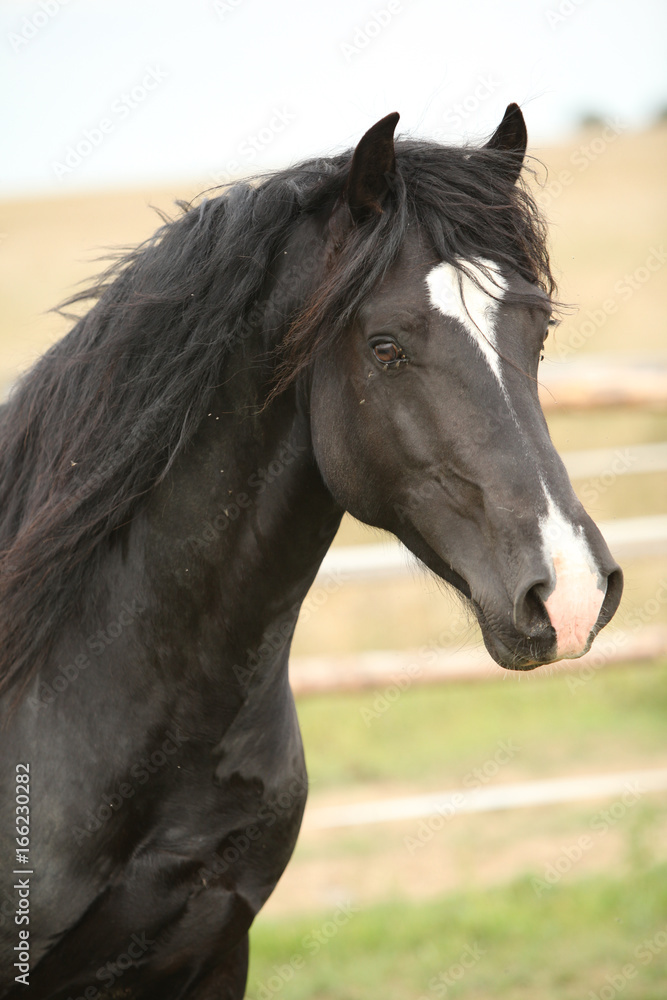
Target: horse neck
238	532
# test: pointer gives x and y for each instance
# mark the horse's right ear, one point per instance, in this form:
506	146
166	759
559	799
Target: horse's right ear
370	176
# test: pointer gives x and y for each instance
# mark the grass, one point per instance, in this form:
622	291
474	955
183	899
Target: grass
433	739
568	943
432	736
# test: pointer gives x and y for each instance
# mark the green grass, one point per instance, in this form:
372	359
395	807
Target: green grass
434	735
519	946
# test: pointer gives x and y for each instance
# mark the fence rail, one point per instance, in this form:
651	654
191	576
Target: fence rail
389	671
525	794
603	380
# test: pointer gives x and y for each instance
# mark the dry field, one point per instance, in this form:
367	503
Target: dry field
605	220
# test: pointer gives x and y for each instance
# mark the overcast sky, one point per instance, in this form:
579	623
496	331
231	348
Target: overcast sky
112	93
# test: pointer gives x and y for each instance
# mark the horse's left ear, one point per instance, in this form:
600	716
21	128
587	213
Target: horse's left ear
371	172
511	136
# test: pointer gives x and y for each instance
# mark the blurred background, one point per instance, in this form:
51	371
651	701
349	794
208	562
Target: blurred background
464	837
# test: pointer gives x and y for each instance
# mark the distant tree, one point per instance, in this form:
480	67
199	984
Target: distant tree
591	120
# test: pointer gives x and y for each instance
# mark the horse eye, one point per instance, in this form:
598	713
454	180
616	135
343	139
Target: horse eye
387	352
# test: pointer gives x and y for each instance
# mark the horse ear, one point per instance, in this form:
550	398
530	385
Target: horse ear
511	136
371	170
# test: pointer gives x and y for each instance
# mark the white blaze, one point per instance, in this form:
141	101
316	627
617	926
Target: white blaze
474	306
574	603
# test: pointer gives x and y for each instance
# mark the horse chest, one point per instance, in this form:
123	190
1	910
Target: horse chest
242	812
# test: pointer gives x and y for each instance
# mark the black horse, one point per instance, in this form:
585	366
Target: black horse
360	333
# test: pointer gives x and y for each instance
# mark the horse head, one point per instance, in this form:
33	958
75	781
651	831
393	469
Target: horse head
425	414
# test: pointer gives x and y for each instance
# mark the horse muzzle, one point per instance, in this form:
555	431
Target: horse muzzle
552	620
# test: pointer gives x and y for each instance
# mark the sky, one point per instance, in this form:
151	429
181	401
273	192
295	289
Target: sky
117	93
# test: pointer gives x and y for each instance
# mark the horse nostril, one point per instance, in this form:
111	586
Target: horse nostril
612	598
530	615
560	618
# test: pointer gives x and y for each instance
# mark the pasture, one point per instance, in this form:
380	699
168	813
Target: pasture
542	903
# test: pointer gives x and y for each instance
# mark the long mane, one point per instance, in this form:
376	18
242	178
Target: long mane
97	423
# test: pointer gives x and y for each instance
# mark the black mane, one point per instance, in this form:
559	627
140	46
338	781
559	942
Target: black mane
99	420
